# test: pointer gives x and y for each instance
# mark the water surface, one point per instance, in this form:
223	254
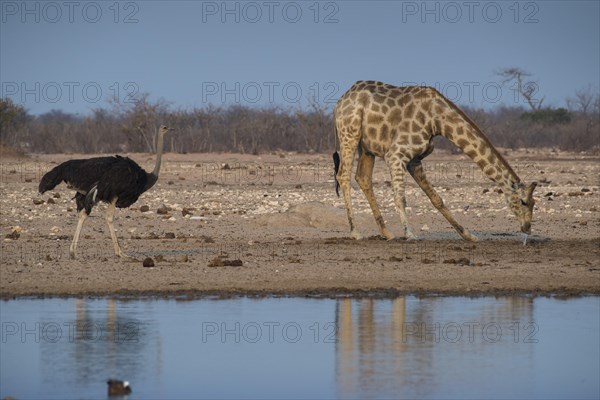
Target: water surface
435	347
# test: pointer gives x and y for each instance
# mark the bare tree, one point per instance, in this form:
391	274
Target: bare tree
584	100
527	89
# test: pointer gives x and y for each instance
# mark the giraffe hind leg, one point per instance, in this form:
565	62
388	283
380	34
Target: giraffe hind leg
364	178
415	168
348	146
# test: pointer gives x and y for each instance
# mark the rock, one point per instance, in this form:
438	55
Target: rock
37	202
425	228
187	211
216	262
50	200
148	262
585	190
219	262
233	263
169	235
56	195
14	235
163	209
144	208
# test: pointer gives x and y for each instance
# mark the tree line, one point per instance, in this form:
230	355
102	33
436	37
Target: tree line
131	127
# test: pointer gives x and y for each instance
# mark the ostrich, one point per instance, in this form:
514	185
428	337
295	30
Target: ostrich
118	181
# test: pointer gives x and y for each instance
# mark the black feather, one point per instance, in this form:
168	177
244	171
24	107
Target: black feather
100	179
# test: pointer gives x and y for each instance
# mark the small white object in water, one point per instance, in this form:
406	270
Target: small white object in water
525	239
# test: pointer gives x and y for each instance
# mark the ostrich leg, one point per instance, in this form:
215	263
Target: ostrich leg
82	216
110	211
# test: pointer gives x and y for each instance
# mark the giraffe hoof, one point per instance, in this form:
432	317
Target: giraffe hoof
468	236
356	235
388	235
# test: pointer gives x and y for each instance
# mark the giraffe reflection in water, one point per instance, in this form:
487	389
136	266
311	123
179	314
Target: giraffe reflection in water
412	347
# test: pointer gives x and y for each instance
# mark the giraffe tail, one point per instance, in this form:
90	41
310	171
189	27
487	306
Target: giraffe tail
336	166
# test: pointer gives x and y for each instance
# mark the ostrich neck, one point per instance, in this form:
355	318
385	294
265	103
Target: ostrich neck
159	150
153	176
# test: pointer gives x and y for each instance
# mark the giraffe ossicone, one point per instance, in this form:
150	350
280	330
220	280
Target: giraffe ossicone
375	119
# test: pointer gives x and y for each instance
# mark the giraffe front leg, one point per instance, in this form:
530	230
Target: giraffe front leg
416	171
397	168
364	179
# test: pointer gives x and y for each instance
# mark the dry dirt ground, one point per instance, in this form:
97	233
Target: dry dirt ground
278	216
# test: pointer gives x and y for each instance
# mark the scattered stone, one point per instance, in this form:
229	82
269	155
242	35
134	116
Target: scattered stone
163	209
14	235
575	194
37	202
219	262
298	186
583	223
216	262
425	228
144	208
187	211
148	262
170	183
226	166
397	259
169	235
460	261
182	178
427	261
50	200
159	258
56	195
585	190
207	239
486	190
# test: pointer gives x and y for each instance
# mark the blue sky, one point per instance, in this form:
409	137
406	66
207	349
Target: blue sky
74	56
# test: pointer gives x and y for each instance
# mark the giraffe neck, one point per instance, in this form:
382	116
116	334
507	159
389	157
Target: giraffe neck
465	134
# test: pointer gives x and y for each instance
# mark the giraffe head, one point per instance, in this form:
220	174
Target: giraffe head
521	202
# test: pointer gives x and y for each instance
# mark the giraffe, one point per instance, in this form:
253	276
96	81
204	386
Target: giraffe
398	125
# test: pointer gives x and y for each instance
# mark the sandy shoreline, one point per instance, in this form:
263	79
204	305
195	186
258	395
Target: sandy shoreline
279	216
